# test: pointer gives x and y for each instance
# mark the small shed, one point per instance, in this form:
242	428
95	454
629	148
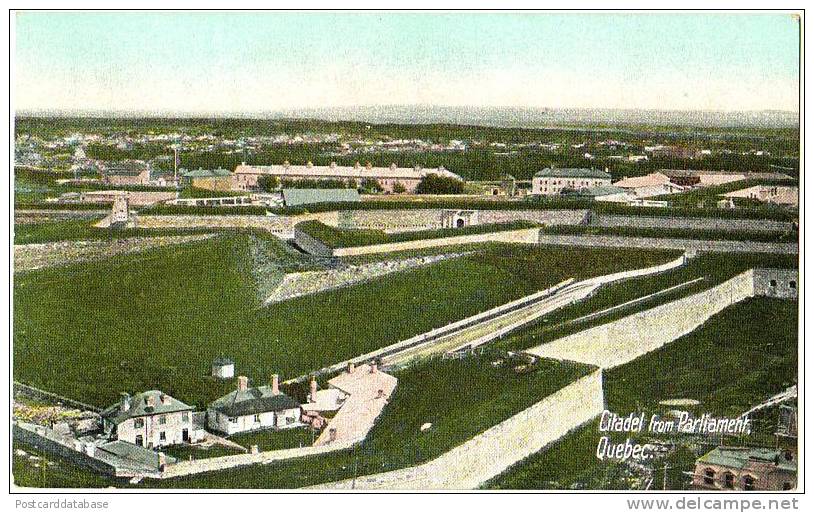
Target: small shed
223	367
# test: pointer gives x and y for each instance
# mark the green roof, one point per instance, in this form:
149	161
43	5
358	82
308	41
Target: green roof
738	457
253	401
206	173
572	172
294	197
139	406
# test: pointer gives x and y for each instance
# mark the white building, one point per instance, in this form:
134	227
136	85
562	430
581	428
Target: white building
550	182
151	419
223	368
252	409
647	186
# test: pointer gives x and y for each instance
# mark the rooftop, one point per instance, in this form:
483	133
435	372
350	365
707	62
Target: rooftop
253	401
572	172
152	402
294	197
356	171
739	457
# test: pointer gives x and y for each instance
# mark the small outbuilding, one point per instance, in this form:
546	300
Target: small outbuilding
223	368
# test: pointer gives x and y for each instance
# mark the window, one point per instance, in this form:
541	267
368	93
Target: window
138	423
773	283
162	419
162	436
709	477
289	420
729	480
749	483
792	284
232	420
140	440
257	419
185	416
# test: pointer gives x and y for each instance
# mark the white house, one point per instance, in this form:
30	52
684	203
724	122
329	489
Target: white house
151	419
252	409
653	184
550	182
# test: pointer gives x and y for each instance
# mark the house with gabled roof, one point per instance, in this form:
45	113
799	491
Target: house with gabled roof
151	419
253	408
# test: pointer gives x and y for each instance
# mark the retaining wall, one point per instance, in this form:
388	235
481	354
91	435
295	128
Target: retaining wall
183	468
781	283
311	245
281	226
406	220
491	452
523	236
618	342
692	223
46	440
618	241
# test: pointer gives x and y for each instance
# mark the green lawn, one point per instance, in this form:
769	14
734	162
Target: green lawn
343	237
83	229
157	319
735	360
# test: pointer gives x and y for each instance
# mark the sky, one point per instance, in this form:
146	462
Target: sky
210	62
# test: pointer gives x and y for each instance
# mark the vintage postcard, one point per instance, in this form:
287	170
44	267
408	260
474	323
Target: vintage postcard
326	251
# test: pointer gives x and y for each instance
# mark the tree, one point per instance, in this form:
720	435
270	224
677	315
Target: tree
434	184
268	183
370	185
399	188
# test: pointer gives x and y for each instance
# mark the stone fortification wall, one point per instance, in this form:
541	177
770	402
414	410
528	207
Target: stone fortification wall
523	236
694	245
618	342
780	283
489	453
691	223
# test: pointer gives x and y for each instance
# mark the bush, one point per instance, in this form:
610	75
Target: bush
434	184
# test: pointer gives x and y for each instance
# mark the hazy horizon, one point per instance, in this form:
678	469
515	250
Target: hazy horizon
260	62
521	117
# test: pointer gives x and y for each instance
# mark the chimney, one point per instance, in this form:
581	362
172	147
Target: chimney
242	383
165	399
275	384
332	435
313	389
351	367
373	367
150	401
125	402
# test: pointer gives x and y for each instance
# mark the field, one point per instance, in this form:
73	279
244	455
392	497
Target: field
158	318
727	364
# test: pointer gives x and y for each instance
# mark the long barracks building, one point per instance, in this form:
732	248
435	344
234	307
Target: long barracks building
245	177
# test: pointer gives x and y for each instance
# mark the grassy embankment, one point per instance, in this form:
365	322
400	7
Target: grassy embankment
156	319
738	358
714	268
344	238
